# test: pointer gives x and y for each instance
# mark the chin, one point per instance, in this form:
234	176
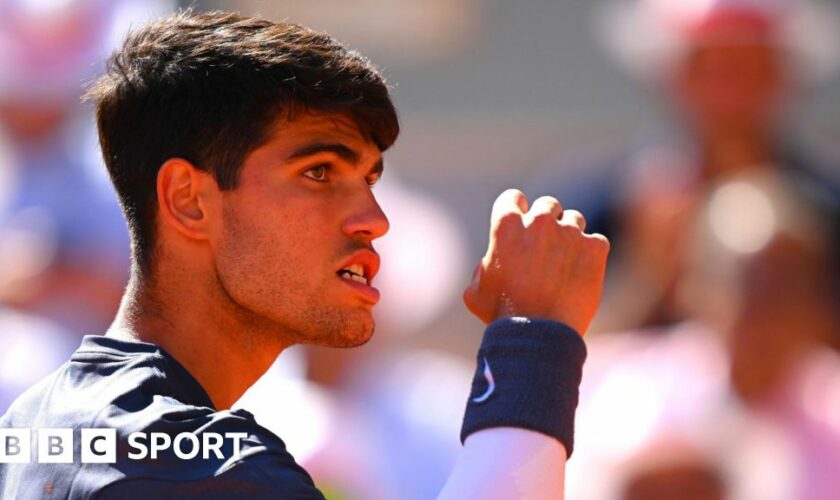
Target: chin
355	334
342	329
338	326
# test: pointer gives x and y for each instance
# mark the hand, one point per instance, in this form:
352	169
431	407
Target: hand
539	263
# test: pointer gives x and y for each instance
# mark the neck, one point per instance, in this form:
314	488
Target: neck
225	354
736	152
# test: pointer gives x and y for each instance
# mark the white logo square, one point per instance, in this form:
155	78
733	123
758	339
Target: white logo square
99	446
55	446
15	446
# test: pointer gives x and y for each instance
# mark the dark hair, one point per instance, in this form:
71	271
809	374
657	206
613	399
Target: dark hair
208	87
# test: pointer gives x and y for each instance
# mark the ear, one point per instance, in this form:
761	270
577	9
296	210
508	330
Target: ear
184	195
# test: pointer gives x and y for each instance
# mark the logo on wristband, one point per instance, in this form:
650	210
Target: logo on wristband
491	385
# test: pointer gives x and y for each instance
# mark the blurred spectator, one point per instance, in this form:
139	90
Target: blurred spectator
724	269
674	469
63	241
727	71
31	349
749	379
775	239
397	34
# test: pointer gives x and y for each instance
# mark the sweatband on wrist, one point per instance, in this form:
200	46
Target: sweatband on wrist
528	375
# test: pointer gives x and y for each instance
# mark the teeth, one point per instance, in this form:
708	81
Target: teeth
355	272
360	279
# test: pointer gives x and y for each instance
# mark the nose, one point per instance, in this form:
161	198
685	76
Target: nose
368	221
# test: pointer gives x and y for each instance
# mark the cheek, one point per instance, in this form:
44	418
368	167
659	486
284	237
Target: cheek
271	251
251	238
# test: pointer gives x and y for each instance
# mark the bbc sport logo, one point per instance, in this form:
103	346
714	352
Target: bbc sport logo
100	445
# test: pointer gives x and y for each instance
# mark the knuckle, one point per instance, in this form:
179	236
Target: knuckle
597	247
510	196
548	201
601	242
574	214
573	217
512	192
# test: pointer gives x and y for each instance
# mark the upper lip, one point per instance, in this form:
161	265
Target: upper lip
368	259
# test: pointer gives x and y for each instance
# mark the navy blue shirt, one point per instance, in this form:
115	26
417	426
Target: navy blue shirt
137	387
527	376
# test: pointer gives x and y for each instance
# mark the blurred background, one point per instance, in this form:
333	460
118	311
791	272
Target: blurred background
700	135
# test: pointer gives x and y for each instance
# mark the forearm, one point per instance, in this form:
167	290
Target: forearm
506	463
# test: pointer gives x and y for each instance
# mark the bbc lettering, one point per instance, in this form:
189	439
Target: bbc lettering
100	445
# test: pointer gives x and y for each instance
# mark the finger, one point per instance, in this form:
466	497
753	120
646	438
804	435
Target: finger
601	241
510	201
546	205
573	218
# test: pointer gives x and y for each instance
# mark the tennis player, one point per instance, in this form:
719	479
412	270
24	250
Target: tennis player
244	153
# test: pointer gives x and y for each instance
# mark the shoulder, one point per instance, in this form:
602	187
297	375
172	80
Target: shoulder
195	452
154	426
228	455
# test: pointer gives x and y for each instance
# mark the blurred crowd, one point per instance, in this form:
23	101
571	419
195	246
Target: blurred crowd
721	377
713	369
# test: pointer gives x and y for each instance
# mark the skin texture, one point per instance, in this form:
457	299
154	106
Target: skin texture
242	274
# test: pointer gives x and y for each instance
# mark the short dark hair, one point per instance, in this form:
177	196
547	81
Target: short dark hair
208	87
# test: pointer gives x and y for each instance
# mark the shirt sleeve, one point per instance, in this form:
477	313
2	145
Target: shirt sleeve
505	462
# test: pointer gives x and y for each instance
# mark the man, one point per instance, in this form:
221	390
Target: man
244	152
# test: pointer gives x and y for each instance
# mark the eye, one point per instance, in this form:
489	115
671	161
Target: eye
318	173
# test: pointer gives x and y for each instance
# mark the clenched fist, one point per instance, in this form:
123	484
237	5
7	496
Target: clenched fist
539	263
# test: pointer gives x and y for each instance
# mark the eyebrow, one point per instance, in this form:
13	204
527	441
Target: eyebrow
338	149
344	152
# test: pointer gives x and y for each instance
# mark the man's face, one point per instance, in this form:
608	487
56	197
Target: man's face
294	250
723	86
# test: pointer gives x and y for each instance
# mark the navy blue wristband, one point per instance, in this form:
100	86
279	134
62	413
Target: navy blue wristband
528	375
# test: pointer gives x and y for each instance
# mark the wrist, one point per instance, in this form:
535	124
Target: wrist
528	374
568	320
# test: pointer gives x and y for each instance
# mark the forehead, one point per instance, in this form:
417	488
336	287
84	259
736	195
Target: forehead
292	132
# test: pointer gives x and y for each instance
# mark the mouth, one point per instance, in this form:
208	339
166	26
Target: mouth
354	272
359	271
